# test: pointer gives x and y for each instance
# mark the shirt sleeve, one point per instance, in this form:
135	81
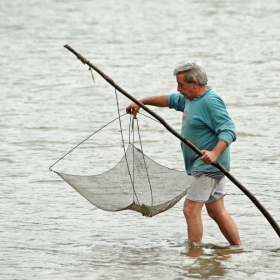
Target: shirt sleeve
221	122
176	101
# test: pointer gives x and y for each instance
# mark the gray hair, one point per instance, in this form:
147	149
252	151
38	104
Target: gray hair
193	71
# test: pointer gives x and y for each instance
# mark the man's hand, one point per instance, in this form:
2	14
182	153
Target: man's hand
210	156
133	108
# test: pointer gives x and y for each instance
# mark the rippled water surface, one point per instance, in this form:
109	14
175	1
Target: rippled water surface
49	104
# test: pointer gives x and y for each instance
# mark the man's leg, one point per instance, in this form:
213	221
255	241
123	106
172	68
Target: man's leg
192	212
218	213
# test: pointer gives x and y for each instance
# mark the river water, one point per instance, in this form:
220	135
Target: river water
49	103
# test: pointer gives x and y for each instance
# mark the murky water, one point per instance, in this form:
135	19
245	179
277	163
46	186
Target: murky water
49	104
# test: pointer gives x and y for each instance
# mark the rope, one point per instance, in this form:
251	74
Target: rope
131	177
140	141
118	118
50	168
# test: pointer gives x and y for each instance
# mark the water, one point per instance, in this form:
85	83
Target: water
49	104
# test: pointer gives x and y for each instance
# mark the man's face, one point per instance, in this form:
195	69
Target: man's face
189	90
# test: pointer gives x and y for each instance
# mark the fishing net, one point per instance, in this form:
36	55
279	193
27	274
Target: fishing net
135	182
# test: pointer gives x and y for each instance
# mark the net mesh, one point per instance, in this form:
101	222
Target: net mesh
136	182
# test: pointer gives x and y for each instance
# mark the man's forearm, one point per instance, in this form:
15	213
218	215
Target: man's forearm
159	101
211	156
220	147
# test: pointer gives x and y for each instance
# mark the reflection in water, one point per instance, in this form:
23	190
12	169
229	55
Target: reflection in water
209	258
207	267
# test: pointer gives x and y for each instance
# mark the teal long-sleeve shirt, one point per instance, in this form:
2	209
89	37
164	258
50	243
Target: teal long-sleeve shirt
205	121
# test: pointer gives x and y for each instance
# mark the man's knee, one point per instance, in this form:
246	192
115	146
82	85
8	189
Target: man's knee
216	214
192	209
212	214
187	210
216	209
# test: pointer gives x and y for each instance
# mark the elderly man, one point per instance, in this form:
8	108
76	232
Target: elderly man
205	123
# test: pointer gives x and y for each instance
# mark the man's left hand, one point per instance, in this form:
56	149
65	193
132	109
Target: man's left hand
208	156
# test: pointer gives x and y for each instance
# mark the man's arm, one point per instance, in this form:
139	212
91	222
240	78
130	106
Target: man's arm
158	101
211	156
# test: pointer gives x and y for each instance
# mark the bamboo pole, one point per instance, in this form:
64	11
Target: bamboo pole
267	215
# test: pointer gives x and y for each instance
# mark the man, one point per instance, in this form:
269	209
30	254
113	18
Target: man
207	125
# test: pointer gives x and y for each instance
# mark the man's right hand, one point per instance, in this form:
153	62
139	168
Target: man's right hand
133	108
158	101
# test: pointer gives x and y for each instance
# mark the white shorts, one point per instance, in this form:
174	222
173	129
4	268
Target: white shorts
206	189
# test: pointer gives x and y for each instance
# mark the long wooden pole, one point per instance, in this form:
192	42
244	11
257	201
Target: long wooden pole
179	136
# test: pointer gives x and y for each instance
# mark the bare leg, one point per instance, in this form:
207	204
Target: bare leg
218	213
192	212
